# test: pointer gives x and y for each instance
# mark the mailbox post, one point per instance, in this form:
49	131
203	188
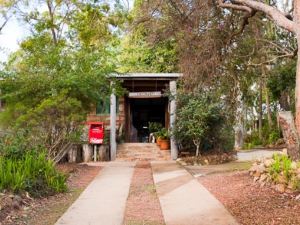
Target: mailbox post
96	135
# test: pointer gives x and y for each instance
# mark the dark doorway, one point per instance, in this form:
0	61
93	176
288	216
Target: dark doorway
143	111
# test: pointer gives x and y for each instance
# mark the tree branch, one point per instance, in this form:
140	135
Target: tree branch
4	23
51	14
246	5
272	60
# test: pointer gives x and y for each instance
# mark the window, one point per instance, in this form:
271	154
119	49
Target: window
103	106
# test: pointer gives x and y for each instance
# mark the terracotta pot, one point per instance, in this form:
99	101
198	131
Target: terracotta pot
164	144
158	141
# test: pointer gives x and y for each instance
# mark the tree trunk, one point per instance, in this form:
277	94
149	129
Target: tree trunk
297	89
269	113
290	127
197	144
290	134
197	150
239	122
260	113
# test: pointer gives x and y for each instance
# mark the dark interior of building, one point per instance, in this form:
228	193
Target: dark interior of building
144	111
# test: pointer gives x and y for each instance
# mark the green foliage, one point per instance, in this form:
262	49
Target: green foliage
140	54
269	137
252	140
154	127
282	165
61	71
201	120
13	145
163	134
49	89
33	172
282	83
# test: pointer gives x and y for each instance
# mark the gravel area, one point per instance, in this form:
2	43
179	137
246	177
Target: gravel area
250	203
143	207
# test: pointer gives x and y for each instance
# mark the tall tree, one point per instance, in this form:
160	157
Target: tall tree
59	73
289	22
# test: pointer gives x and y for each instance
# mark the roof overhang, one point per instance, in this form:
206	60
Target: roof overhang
148	76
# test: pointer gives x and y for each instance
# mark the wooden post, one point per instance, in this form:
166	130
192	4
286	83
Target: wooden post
113	114
72	154
173	90
102	153
87	152
95	153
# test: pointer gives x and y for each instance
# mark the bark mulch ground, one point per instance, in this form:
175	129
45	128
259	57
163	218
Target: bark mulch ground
46	211
143	207
251	204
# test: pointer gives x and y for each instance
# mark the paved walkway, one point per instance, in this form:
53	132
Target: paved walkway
256	155
103	202
184	201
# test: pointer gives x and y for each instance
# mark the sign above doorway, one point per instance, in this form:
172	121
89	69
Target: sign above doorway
149	94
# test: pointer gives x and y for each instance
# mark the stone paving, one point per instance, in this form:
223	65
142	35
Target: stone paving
184	201
103	202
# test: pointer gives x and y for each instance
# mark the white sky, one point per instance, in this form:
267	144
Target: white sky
10	37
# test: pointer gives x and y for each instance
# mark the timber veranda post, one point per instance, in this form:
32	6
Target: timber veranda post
173	91
113	114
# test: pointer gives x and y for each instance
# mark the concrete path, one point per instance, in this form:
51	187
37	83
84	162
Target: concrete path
103	202
184	201
256	155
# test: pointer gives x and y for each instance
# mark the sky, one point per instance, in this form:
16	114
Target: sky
11	35
15	31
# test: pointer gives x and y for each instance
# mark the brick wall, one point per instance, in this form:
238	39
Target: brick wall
93	117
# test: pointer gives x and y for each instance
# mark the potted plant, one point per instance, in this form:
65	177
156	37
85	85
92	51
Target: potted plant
164	139
155	129
157	136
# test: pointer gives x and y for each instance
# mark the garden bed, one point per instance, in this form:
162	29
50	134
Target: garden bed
250	203
45	211
211	158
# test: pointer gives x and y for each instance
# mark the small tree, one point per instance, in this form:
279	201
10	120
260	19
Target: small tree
194	120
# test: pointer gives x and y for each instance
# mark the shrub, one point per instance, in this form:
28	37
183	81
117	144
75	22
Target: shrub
202	121
33	173
13	145
269	137
280	164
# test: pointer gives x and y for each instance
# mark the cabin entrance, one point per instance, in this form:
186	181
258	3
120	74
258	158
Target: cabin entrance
140	112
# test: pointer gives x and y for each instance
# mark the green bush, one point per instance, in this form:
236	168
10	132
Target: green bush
273	136
33	173
13	145
203	121
269	137
282	165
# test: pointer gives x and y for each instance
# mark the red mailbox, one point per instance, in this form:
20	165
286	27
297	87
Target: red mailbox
96	132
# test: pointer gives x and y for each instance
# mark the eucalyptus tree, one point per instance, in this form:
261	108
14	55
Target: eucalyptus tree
290	21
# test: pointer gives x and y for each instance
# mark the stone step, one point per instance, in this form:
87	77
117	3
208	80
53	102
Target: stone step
141	151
